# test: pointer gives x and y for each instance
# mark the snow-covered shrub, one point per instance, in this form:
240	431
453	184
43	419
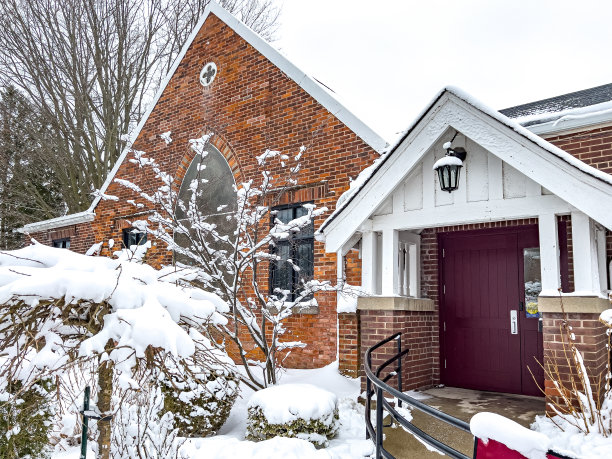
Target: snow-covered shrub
113	321
141	430
293	410
25	420
200	397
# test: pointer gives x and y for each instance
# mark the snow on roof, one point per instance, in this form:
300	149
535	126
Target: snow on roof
363	178
533	112
145	307
322	94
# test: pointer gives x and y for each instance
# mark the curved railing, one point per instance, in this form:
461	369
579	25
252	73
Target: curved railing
375	385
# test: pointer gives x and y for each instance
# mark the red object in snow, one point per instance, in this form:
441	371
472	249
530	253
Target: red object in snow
496	450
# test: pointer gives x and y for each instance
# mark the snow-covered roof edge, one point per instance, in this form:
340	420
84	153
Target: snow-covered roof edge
71	219
365	176
309	84
566	120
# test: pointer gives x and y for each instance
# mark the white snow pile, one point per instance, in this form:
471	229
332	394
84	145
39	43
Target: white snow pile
447	161
287	403
491	426
606	318
349	442
347	298
571	441
300	411
144	310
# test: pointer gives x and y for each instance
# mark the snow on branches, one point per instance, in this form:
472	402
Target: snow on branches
67	316
229	246
57	303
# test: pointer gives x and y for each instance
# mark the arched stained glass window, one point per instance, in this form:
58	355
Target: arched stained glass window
210	176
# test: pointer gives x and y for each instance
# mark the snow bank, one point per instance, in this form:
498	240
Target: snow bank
530	444
144	310
570	441
447	161
287	403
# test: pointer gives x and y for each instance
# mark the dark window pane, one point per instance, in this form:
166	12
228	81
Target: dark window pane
305	260
282	272
284	215
133	237
61	243
299	248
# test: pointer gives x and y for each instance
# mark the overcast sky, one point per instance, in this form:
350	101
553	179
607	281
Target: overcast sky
386	59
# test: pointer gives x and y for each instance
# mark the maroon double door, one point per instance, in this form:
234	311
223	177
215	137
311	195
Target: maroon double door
482	283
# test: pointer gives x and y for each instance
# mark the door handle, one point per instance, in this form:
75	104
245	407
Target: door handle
514	322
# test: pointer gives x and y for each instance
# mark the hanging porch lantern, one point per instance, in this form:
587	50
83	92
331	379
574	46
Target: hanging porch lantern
449	167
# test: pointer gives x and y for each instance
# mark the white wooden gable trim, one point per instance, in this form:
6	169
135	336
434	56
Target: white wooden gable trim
306	82
576	188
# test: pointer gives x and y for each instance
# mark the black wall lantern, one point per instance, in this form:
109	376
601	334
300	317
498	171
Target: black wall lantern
449	167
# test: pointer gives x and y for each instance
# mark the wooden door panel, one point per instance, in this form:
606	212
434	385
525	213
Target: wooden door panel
480	275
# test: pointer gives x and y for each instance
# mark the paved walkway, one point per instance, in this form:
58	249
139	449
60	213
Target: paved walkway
462	404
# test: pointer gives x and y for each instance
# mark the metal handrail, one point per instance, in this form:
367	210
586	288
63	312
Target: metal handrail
381	403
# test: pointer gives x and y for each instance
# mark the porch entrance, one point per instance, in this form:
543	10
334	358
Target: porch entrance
490	339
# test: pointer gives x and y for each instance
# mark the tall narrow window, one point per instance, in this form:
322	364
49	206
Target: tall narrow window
211	209
297	251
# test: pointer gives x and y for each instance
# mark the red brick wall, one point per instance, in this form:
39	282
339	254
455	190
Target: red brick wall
594	147
591	341
349	346
420	368
251	106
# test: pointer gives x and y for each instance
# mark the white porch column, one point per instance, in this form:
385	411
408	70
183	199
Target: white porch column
549	254
586	270
601	257
369	265
390	262
340	268
414	262
415	270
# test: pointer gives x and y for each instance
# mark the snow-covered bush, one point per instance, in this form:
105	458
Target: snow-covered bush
25	421
116	322
293	410
141	430
199	397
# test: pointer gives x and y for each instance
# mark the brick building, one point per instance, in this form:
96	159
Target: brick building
469	270
465	275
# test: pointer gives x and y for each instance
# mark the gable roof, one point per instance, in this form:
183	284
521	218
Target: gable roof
590	180
315	89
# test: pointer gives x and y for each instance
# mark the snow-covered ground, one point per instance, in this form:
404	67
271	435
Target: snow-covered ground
229	443
350	442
